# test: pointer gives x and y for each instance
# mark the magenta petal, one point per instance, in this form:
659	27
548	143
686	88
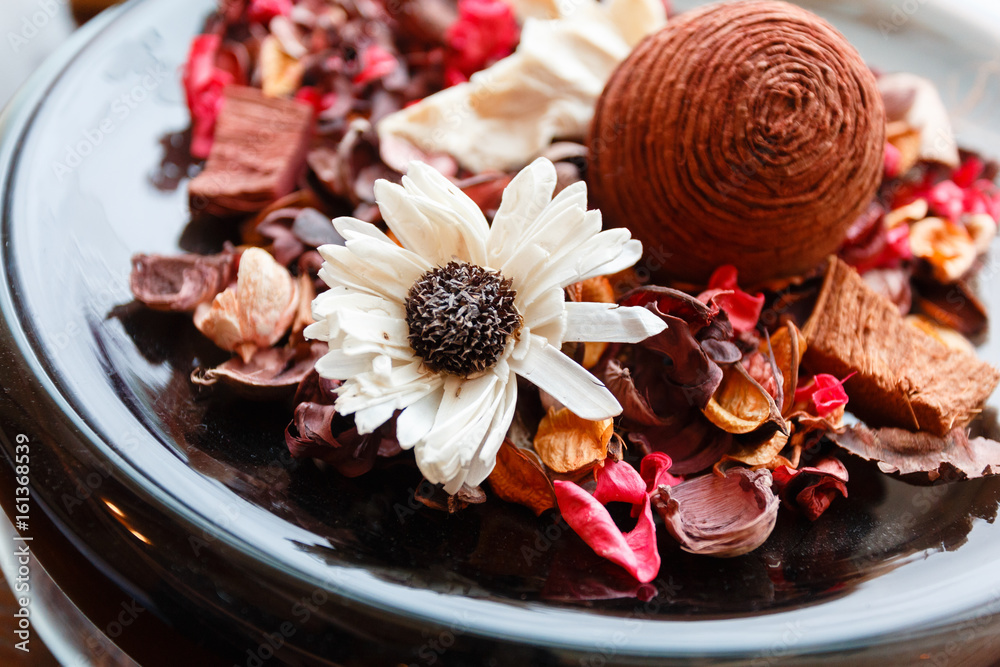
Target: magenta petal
635	551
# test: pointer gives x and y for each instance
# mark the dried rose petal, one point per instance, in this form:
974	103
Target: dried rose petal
203	85
262	11
811	489
485	32
742	308
720	515
617	481
520	478
692	449
566	443
182	282
254	314
376	62
824	393
635	406
316	432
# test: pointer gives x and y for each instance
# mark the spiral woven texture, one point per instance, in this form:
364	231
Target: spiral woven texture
748	133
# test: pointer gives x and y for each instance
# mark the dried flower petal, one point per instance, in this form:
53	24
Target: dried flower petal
692	449
182	282
262	11
811	489
741	405
617	481
720	515
317	432
567	443
742	308
270	373
824	394
254	314
281	74
520	478
947	247
788	345
203	85
484	33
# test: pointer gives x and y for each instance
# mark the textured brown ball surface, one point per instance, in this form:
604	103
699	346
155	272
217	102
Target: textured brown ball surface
748	133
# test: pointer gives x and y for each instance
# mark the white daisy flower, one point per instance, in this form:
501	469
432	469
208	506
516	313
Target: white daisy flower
439	327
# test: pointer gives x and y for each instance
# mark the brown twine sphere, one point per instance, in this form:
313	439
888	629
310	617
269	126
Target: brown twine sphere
749	133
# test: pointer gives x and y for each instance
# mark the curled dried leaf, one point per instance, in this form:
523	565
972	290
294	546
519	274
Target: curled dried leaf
255	313
719	515
519	477
755	453
566	443
923	457
181	283
694	448
789	346
317	432
271	373
741	405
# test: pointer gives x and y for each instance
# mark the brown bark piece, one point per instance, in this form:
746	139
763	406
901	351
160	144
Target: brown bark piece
260	147
905	378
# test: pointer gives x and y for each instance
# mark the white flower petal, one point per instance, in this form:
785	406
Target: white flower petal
486	459
336	365
371	266
432	217
467	410
567	382
370	418
415	421
522	203
545	315
629	251
610	323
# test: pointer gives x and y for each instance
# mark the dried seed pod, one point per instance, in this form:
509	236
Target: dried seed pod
748	133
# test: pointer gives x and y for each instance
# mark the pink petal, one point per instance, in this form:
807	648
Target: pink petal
811	489
376	63
618	481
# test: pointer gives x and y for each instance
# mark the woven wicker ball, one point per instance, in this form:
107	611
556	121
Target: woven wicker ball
749	133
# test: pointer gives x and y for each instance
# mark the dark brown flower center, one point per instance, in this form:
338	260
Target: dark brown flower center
460	318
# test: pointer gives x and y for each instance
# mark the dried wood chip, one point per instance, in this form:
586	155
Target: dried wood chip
259	149
904	377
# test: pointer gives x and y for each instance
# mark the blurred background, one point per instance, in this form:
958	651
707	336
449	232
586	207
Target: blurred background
31	29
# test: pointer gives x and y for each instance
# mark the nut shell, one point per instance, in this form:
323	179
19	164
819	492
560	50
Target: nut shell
748	133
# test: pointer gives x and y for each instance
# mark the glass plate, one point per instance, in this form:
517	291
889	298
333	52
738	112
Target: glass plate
194	506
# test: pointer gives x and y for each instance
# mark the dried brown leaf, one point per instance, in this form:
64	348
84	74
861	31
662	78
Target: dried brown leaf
740	405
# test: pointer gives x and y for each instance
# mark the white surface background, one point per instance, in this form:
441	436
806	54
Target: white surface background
29	31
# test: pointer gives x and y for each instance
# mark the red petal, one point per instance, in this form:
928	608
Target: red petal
485	32
203	86
811	489
634	551
743	309
262	11
377	63
825	392
654	469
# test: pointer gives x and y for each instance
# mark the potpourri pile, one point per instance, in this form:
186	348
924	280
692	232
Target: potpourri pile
466	304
